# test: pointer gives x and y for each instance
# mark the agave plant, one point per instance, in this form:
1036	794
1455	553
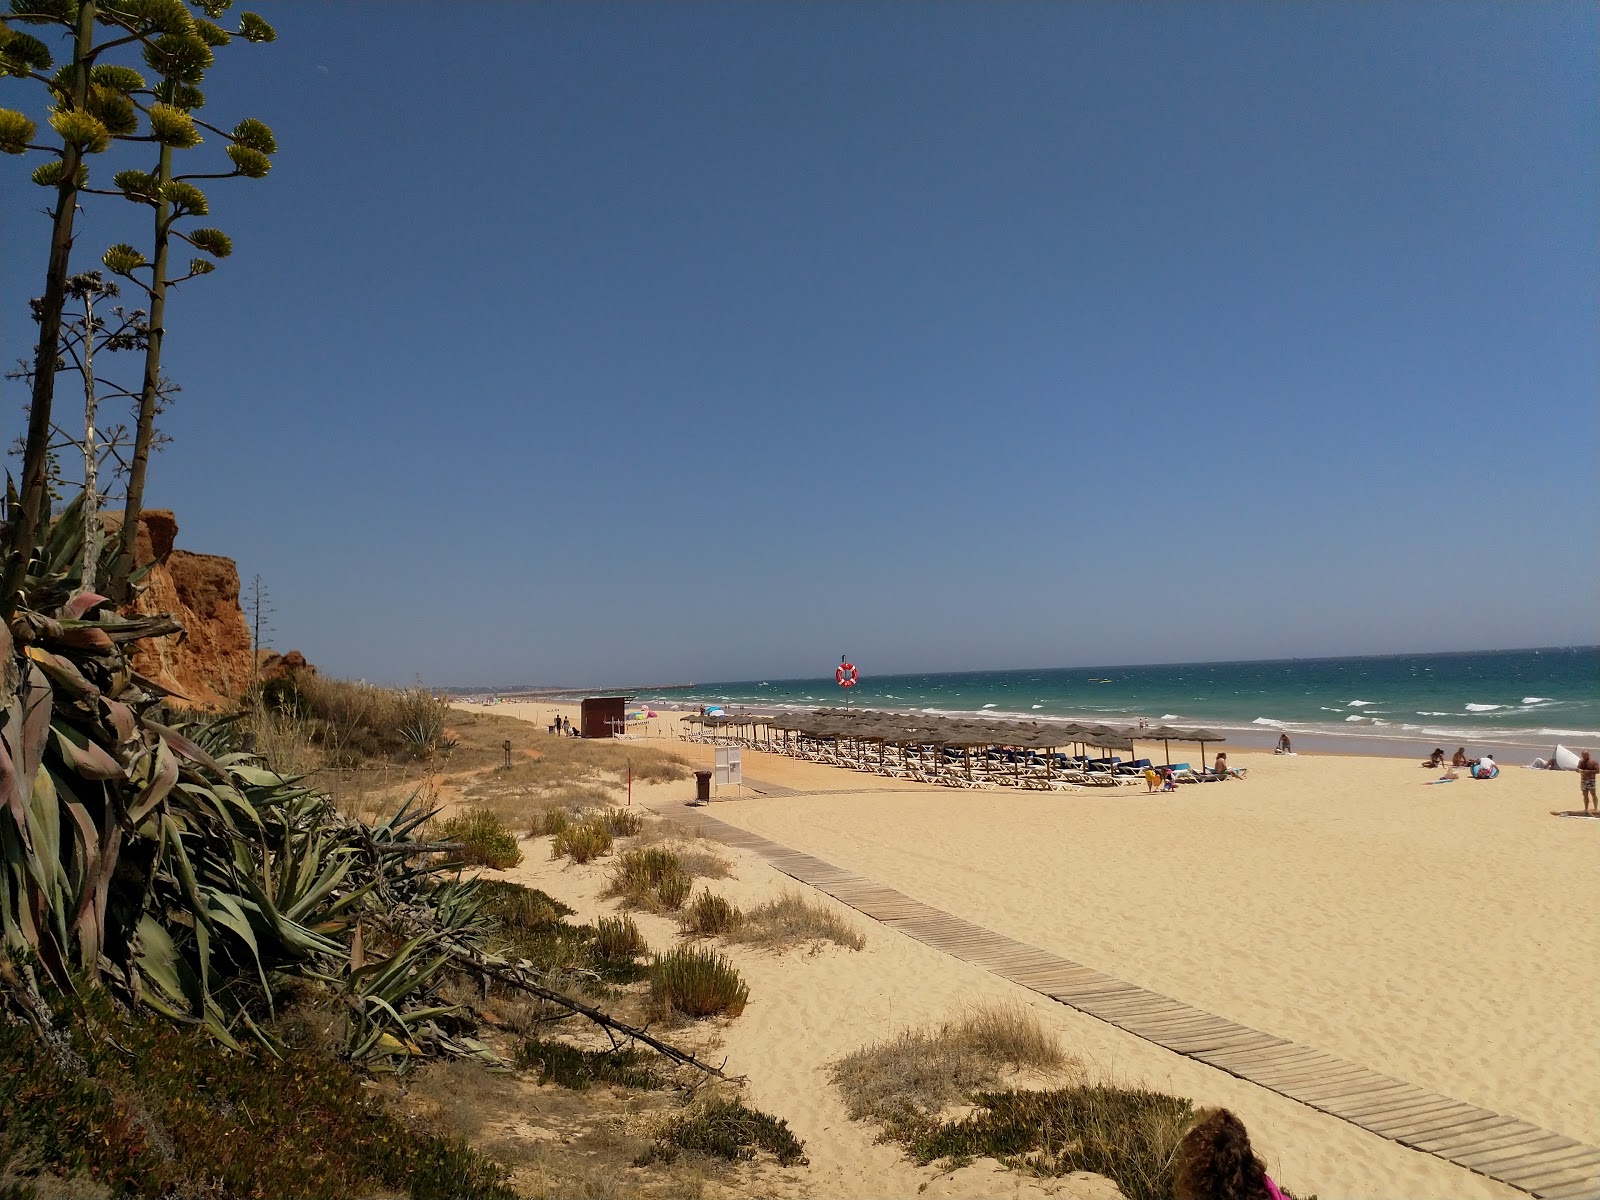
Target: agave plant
158	858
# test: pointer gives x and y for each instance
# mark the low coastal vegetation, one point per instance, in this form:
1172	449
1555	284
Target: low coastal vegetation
709	915
695	983
483	837
794	919
937	1091
584	841
653	879
725	1128
126	1103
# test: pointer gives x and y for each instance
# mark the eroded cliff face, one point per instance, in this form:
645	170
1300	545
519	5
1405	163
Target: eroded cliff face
209	666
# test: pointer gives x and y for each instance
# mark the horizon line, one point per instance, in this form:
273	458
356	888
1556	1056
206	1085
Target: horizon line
1219	662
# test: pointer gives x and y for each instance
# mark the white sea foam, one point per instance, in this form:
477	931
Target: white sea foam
1435	714
1483	707
1355	718
988	706
1038	706
1360	703
1592	734
1267	721
1375	721
1537	700
1170	717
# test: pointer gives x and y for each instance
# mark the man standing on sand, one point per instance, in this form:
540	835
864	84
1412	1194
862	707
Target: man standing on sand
1587	769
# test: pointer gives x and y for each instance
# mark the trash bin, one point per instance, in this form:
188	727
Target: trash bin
702	785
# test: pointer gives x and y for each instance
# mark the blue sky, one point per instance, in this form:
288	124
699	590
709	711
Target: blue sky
636	343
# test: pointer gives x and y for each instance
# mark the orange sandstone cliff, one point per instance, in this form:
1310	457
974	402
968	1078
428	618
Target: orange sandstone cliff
210	665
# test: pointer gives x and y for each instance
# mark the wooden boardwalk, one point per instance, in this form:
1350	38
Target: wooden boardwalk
1529	1158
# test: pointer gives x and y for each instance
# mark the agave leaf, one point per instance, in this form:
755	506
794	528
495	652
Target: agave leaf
82	603
90	638
85	758
120	719
63	673
178	859
184	747
164	775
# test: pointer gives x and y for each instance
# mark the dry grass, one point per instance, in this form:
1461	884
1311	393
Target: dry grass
709	915
792	920
1129	1135
653	879
917	1074
349	723
619	937
697	854
584	842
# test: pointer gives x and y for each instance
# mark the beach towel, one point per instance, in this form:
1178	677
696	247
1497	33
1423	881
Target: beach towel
1443	779
1573	812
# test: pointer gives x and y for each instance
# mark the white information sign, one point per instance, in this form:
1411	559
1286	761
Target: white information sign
727	769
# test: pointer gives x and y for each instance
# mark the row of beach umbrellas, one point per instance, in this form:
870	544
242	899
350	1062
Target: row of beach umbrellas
902	729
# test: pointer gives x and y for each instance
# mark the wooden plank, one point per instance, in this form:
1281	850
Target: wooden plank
1526	1143
1363	1094
1534	1163
1396	1097
1378	1116
1443	1141
1588	1189
1584	1176
1425	1128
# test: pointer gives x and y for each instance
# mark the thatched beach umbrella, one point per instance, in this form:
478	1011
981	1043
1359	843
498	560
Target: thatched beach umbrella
1166	734
1203	736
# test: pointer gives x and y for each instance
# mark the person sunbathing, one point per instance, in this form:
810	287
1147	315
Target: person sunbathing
1436	759
1460	758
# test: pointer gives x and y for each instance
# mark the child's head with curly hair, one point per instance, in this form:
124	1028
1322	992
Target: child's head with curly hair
1215	1161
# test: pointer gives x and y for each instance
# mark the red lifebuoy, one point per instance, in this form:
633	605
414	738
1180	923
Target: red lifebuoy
846	675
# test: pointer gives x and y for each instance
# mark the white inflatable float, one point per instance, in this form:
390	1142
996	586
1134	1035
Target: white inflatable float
1561	759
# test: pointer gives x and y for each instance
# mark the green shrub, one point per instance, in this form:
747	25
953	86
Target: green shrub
569	1067
696	983
484	838
548	822
727	1129
159	1110
652	879
518	906
623	822
1127	1135
583	842
618	938
709	915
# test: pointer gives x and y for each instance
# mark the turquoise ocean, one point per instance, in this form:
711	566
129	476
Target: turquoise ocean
1520	698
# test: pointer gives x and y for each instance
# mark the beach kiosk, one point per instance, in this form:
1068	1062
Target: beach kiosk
603	716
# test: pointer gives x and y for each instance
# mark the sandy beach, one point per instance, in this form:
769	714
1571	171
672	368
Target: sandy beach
1448	935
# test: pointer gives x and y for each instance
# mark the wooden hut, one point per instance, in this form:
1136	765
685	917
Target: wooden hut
603	716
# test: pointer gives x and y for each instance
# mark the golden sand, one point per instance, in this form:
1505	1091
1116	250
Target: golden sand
1448	935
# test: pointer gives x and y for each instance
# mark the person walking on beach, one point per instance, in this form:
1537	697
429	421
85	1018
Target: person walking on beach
1283	744
1215	1161
1588	767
